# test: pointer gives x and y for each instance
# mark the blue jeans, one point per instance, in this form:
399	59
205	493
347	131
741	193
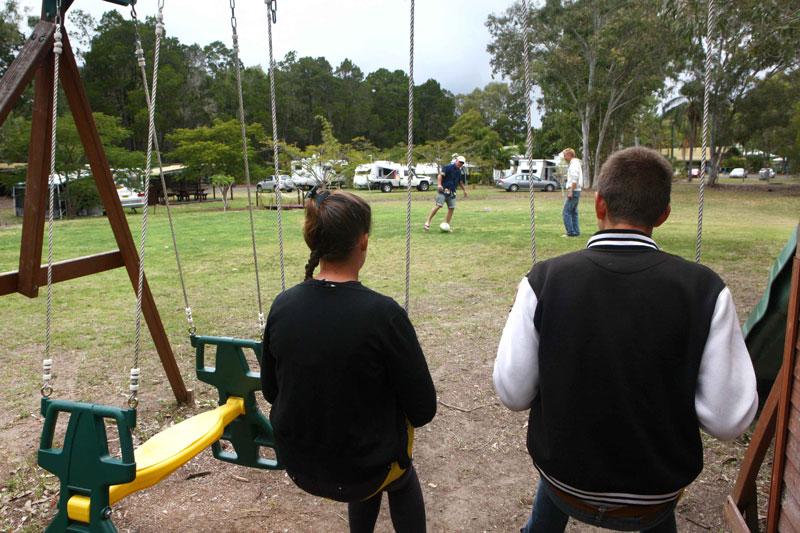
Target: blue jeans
570	214
550	515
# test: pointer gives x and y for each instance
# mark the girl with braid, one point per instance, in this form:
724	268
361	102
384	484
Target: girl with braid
348	382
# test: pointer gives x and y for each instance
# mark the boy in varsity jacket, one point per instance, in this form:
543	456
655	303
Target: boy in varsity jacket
622	352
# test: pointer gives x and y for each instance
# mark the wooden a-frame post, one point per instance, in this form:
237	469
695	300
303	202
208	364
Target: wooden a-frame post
36	60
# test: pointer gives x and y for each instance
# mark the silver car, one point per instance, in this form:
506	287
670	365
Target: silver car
287	185
516	182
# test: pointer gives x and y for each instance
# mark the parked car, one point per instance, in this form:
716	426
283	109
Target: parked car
130	199
738	172
766	174
519	181
268	185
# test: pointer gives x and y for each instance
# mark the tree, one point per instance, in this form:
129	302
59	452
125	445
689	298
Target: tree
754	41
686	113
433	112
502	109
596	58
471	136
217	150
11	39
388	107
762	121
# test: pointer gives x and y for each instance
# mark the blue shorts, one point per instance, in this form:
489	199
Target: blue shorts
442	198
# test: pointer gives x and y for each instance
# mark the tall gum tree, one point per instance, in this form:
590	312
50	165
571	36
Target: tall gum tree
596	58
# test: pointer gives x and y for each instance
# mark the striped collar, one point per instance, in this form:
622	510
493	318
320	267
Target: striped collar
621	238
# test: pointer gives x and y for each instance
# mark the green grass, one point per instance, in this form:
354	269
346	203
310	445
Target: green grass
487	254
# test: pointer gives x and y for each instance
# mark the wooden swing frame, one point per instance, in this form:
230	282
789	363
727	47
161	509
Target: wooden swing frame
35	60
780	418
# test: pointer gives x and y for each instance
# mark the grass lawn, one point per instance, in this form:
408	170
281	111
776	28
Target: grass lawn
455	277
488	251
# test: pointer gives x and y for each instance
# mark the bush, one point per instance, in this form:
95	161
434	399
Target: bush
9	179
83	196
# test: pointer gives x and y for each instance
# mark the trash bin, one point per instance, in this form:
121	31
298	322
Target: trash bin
18	193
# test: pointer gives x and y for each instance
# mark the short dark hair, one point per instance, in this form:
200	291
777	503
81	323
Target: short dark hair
636	184
334	224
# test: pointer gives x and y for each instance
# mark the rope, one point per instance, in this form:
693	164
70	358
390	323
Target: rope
271	18
529	123
711	26
409	152
134	377
243	127
47	362
142	63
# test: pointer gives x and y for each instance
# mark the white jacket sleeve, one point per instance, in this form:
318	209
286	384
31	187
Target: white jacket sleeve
726	399
516	369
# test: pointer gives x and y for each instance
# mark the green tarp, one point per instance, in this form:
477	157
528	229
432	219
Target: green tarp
765	328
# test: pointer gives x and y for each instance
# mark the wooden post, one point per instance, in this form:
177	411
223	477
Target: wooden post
87	130
36	58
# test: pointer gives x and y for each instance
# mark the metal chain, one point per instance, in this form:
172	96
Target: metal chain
47	362
243	127
529	124
409	152
142	64
134	377
271	18
711	27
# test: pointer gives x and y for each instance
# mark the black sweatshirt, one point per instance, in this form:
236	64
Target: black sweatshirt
343	370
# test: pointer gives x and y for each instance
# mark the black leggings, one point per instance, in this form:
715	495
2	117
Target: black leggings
406	507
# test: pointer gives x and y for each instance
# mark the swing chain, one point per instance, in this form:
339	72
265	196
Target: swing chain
47	363
245	158
275	147
529	122
273	9
142	64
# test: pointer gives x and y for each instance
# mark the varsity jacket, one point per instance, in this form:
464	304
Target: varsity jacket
622	352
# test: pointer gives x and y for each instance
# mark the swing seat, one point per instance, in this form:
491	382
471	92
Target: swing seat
92	479
166	452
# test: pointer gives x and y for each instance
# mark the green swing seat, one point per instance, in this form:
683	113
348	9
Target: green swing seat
92	479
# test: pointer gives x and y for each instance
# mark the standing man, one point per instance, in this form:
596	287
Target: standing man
573	187
448	179
622	352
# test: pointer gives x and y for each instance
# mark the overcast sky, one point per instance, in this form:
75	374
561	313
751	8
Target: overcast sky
451	35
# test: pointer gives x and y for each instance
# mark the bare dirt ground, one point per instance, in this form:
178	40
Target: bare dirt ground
472	462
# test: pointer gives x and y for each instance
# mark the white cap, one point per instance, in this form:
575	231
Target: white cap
461	158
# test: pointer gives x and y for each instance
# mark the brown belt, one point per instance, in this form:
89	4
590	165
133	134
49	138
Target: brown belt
625	511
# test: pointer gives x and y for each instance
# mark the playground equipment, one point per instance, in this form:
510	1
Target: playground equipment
779	419
91	478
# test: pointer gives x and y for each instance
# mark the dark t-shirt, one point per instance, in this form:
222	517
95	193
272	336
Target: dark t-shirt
343	370
452	176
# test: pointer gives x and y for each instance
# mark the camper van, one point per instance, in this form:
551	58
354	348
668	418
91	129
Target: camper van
307	173
543	168
388	175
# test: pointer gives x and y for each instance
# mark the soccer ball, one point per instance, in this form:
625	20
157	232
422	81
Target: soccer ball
444	226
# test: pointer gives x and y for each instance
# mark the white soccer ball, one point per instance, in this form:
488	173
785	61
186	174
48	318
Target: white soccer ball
444	226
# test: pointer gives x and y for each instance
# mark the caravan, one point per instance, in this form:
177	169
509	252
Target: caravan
387	175
544	169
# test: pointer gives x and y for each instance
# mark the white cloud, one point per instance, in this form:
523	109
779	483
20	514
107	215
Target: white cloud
451	36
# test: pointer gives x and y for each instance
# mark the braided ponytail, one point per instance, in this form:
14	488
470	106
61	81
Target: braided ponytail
333	226
313	261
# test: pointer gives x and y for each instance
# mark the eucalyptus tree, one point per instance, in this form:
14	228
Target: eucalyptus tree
596	58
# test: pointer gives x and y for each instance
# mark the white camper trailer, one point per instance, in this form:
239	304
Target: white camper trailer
388	175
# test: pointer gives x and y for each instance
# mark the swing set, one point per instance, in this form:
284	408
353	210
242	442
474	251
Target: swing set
91	478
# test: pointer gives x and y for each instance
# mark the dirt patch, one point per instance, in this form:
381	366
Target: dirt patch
472	463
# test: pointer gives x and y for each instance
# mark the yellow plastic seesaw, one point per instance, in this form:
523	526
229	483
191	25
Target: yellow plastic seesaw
165	452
